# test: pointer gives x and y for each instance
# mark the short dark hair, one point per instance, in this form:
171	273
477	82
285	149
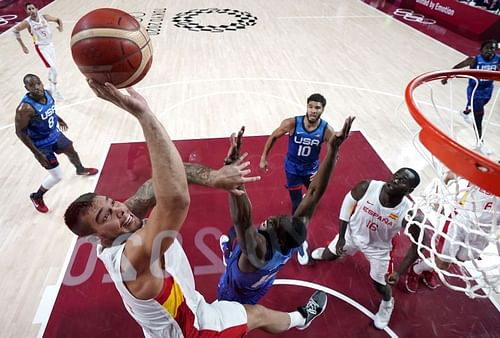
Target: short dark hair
293	231
74	213
487	42
26	4
414	179
316	97
28	77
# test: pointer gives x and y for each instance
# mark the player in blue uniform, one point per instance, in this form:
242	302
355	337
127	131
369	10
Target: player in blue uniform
487	60
37	127
306	133
260	253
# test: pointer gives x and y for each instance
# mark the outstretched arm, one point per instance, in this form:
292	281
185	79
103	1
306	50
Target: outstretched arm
229	177
286	126
251	244
17	29
252	247
320	182
469	62
168	180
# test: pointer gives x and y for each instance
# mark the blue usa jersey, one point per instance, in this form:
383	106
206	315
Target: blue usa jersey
485	87
304	147
42	129
249	287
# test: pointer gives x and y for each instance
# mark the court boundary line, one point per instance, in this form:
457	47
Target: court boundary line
65	266
336	294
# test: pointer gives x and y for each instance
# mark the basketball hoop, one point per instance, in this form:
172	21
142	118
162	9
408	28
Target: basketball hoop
474	167
467	257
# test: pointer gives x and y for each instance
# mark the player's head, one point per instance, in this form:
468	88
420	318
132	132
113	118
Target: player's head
33	85
92	214
289	232
31	9
315	106
402	182
488	48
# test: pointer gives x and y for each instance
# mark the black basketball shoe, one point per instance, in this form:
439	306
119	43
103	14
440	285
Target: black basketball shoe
314	307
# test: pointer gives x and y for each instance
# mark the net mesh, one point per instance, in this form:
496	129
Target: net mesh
460	232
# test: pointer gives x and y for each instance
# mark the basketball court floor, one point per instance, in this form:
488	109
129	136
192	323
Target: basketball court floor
205	83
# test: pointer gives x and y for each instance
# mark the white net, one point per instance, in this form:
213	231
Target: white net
460	235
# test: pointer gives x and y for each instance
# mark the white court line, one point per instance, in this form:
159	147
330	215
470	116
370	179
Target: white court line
49	297
331	84
332	17
333	293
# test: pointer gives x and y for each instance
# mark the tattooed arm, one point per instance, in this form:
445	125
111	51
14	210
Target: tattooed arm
229	177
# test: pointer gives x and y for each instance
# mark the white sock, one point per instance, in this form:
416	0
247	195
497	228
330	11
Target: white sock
387	302
296	319
421	267
318	253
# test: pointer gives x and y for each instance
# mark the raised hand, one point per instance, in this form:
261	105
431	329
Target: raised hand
233	154
234	175
339	136
134	103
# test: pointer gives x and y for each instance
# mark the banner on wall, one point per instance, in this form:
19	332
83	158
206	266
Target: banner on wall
12	11
471	22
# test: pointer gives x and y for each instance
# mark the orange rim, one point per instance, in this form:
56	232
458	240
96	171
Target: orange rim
466	163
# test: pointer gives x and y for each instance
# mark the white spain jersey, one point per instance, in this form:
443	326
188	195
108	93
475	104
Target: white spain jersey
372	226
40	30
480	206
179	310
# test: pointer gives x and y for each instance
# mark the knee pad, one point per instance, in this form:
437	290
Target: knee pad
56	175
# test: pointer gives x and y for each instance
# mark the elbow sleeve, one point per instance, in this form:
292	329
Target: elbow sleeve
348	205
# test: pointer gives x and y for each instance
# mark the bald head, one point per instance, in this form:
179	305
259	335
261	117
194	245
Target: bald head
412	175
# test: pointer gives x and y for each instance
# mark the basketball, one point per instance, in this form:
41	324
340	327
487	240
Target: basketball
109	45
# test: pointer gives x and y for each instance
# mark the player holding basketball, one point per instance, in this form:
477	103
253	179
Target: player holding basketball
37	127
465	234
38	27
260	253
146	262
306	134
487	60
372	213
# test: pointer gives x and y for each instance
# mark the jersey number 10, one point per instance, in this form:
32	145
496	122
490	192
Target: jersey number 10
304	150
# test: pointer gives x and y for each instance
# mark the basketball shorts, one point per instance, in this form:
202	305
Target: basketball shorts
221	319
295	182
47	53
57	147
481	97
379	260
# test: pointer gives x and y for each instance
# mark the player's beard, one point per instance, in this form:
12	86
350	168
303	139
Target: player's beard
311	119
